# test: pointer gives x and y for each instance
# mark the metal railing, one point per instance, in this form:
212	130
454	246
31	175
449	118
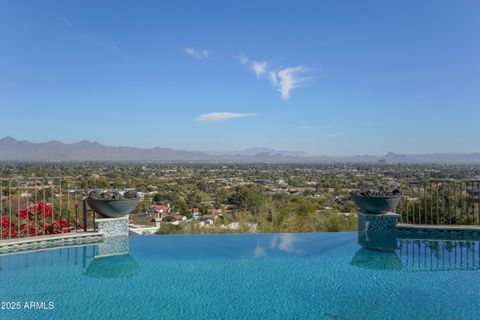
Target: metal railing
440	202
35	206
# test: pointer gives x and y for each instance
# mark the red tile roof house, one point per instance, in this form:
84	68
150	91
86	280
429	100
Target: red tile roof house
156	211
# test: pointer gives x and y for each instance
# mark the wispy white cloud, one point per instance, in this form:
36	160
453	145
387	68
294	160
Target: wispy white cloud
287	79
259	68
243	59
197	54
273	78
283	79
223	116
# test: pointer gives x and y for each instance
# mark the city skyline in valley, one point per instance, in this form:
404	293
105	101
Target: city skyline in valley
324	78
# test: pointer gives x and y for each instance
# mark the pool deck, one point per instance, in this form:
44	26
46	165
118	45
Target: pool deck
49	241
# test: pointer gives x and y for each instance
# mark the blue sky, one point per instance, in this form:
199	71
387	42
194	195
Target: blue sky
326	77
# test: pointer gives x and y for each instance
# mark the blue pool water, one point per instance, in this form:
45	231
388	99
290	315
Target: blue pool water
265	276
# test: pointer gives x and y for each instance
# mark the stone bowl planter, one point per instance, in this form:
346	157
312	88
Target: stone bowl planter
376	204
113	208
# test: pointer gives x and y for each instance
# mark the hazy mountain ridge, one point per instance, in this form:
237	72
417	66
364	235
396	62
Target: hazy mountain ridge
16	150
262	150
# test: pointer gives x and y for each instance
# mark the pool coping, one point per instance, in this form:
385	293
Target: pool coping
440	232
9	246
441	227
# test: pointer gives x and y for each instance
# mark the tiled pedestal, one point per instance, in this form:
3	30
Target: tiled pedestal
378	231
112	227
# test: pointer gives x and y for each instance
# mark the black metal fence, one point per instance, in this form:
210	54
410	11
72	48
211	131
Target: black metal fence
440	202
435	255
34	206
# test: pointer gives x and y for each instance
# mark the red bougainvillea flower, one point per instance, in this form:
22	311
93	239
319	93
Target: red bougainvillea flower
41	229
60	226
42	208
38	210
5	222
9	231
27	230
24	214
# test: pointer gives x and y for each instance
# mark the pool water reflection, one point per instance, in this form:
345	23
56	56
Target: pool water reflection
263	276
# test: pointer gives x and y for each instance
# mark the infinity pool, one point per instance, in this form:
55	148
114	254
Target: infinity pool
265	276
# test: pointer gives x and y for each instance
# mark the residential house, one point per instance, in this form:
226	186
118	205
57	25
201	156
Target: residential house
174	219
156	211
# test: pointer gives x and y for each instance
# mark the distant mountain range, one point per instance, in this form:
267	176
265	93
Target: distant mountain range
258	150
15	150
